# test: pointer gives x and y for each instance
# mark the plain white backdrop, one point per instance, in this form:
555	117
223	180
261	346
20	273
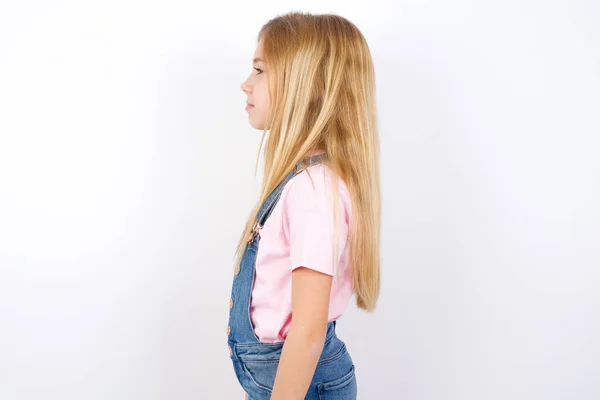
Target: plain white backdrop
127	171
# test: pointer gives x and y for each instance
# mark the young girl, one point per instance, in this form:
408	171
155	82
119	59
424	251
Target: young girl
312	240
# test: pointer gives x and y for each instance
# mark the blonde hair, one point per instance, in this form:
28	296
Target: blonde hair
322	89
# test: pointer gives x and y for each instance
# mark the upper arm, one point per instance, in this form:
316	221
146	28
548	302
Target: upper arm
310	299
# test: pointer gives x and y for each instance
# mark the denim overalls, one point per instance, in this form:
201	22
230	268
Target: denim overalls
255	363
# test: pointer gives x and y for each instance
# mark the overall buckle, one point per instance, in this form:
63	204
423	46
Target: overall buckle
255	229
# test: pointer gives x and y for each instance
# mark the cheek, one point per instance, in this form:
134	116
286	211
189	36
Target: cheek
262	94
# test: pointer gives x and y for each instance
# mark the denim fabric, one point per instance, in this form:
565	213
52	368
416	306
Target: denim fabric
255	363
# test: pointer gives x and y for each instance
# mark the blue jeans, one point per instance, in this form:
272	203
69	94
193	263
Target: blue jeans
255	365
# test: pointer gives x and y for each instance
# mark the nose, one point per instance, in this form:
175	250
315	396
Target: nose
245	87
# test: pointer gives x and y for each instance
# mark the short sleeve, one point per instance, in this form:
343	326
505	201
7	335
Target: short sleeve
308	221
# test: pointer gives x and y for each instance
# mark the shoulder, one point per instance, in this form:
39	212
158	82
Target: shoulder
314	187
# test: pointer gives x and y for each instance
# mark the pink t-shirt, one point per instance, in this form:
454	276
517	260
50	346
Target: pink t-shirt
300	232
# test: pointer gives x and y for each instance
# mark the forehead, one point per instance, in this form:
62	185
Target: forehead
258	53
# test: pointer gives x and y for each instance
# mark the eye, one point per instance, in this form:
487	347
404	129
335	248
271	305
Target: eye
260	71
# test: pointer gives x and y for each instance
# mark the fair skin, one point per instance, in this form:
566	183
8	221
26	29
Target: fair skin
257	91
310	289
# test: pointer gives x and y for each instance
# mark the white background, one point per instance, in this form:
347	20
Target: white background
127	171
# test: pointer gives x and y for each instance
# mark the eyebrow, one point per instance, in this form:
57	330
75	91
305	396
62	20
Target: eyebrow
257	59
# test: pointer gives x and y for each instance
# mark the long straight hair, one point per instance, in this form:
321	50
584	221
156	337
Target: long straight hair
322	88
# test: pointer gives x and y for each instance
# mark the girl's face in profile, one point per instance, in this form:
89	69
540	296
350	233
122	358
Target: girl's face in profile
256	90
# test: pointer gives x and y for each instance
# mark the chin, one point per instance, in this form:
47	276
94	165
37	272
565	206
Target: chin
259	126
